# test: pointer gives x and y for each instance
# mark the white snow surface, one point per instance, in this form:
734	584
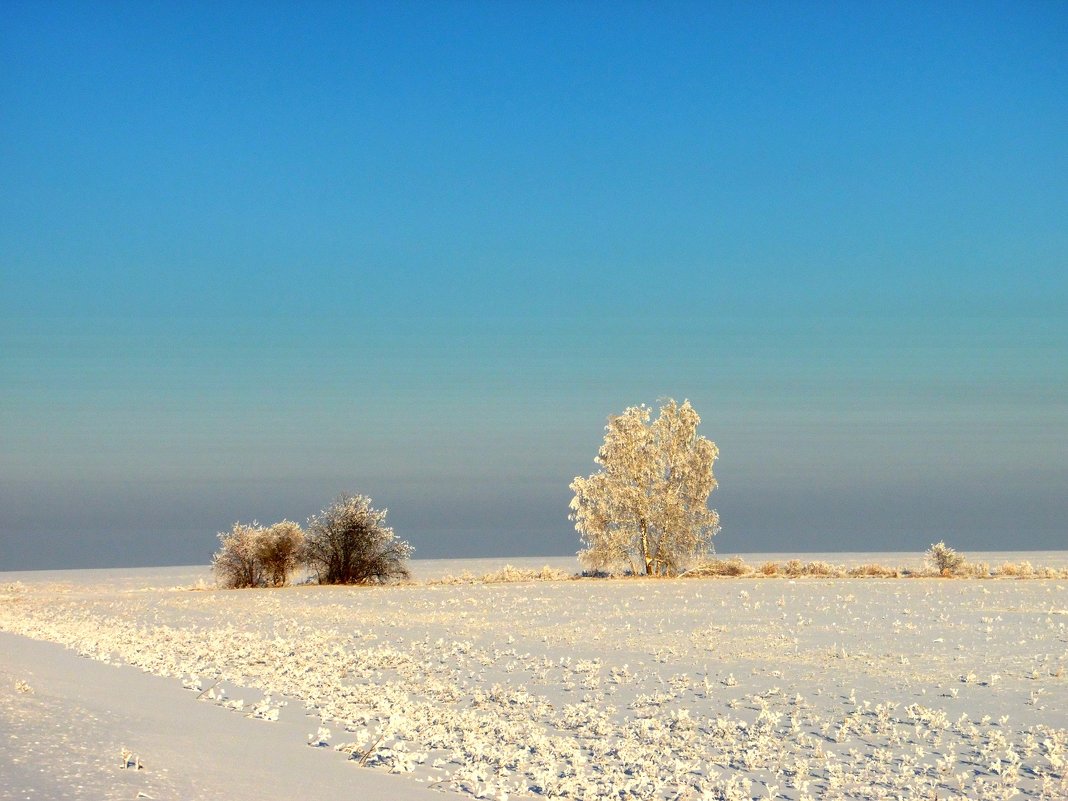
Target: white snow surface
722	688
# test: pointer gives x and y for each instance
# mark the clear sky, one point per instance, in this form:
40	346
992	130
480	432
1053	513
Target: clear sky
256	255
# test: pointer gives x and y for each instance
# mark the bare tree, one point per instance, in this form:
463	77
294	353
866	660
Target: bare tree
646	507
278	549
237	563
348	543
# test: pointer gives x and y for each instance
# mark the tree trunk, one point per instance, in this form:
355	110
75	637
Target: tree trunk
655	557
645	549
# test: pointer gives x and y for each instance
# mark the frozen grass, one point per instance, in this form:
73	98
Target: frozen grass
957	567
872	570
506	574
737	567
746	688
719	567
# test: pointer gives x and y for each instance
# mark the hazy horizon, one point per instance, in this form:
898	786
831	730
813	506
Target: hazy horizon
423	568
253	259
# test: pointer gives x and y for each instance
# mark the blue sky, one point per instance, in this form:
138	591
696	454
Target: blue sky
256	255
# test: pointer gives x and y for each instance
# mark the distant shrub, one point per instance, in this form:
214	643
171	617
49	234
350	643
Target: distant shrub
255	556
1026	570
237	563
509	573
349	543
976	570
593	572
946	561
1016	570
874	571
824	569
769	569
795	568
279	550
719	567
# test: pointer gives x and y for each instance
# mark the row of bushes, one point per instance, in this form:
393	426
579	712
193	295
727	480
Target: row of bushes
939	563
346	543
794	568
940	560
349	543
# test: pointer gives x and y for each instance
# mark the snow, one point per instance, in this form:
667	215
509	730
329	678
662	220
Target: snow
65	739
611	688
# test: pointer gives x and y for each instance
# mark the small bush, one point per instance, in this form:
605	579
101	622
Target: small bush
976	570
237	563
793	568
278	551
595	573
874	571
946	561
509	574
824	569
254	556
1016	570
719	567
769	569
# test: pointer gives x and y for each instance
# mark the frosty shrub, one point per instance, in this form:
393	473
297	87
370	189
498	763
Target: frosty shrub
945	560
278	549
646	508
255	556
237	563
508	573
873	570
978	570
1016	569
825	569
734	566
348	543
1027	570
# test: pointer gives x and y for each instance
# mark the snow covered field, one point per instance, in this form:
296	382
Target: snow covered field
726	688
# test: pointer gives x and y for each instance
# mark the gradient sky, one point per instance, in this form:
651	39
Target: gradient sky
256	255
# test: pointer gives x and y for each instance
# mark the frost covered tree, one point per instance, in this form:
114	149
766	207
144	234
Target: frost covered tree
647	507
348	543
946	561
237	562
278	548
